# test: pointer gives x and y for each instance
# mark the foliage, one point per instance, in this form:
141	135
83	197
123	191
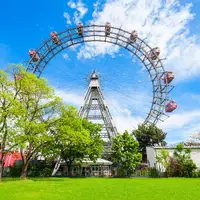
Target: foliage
10	111
174	167
163	158
183	156
126	152
180	165
35	169
76	138
95	146
153	172
196	173
33	125
149	135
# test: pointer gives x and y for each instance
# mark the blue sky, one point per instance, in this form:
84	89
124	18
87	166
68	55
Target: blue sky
169	24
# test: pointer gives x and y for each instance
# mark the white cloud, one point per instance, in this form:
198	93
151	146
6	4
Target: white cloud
164	22
179	120
67	17
81	7
91	50
74	98
65	56
81	10
122	116
179	126
71	4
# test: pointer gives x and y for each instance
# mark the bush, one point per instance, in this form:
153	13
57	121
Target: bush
13	171
153	172
174	168
196	173
35	169
188	168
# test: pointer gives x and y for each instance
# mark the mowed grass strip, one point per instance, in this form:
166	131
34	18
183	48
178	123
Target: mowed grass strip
100	189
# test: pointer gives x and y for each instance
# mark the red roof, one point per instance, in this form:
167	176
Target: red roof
10	158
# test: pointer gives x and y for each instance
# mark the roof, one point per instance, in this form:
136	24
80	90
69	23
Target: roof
98	161
174	147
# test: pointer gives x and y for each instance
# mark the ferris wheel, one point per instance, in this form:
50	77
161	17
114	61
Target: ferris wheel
161	79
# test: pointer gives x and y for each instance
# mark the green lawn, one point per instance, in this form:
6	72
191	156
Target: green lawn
100	189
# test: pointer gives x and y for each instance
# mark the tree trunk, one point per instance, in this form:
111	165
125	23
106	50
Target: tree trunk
24	170
57	165
69	167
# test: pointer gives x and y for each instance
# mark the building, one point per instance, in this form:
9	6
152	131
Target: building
87	168
152	152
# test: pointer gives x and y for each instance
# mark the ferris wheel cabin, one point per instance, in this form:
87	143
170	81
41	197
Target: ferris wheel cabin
171	106
169	77
33	55
18	77
80	29
107	28
154	53
133	36
54	37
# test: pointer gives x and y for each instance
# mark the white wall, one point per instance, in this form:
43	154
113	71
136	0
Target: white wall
153	151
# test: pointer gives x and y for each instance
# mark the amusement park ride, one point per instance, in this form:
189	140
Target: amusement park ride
149	57
160	78
95	109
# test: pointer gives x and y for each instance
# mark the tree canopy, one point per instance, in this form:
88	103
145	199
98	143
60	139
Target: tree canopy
10	108
148	135
125	152
76	138
40	107
36	122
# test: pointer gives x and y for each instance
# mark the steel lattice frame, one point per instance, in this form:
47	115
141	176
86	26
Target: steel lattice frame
120	37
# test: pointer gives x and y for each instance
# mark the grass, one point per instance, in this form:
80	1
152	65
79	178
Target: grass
100	189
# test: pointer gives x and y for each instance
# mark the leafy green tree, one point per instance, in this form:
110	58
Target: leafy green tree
163	158
10	108
148	135
183	156
125	152
35	124
76	138
96	143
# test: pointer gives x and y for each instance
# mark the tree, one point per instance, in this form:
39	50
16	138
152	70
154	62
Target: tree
126	152
10	108
149	135
35	124
163	159
96	143
194	140
183	156
76	138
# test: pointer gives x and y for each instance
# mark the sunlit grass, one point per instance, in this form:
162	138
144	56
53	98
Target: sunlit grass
100	189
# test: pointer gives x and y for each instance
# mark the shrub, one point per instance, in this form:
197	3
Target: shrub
153	172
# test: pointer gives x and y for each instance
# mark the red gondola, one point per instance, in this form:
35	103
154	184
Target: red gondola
133	36
169	76
54	37
33	55
171	106
154	53
80	29
18	77
107	28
